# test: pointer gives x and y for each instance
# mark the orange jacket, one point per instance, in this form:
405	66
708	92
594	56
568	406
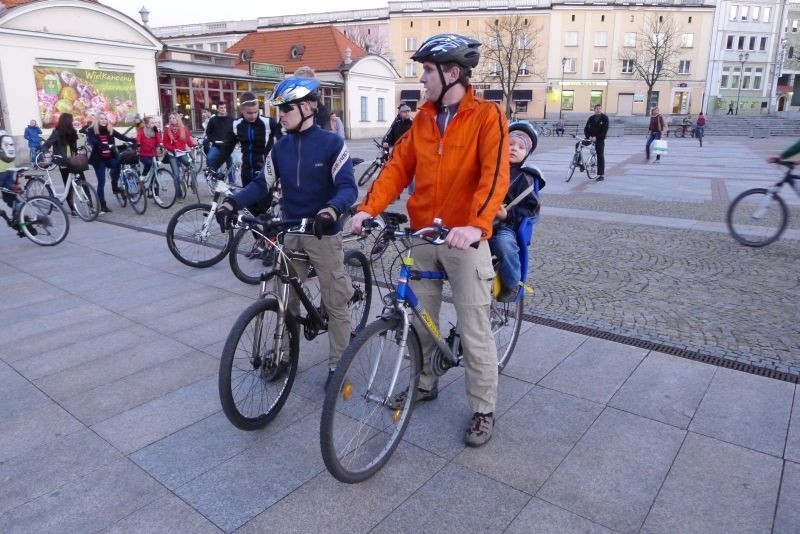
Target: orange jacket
460	178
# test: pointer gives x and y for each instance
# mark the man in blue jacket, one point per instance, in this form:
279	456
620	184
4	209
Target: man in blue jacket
317	182
33	135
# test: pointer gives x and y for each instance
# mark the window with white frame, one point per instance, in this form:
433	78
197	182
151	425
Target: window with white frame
627	66
765	13
569	64
525	42
684	66
726	76
752	44
601	39
523	70
381	109
743	12
735	77
732	13
687	40
364	109
748	71
494	69
795	24
411	44
598	65
755	12
729	42
763	44
655	66
571	39
757	77
411	70
630	39
494	43
740	44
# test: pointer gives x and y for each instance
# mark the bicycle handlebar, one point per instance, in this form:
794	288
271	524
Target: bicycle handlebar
434	235
305	224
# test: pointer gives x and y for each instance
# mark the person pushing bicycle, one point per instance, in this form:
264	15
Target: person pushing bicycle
317	182
457	152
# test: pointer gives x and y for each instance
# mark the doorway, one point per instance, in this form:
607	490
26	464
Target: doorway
625	104
680	103
781	103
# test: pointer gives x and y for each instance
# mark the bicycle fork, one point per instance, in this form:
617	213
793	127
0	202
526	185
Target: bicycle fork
401	352
765	204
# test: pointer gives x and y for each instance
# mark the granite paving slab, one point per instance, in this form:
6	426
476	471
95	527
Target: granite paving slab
716	487
164	515
532	438
793	438
544	518
747	410
17	395
539	350
33	429
665	388
614	472
787	517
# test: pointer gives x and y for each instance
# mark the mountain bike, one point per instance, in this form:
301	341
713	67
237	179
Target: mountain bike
193	235
363	416
580	161
757	217
376	165
39	218
260	358
85	203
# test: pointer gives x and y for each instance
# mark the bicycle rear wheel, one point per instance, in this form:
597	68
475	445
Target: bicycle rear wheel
163	189
43	221
84	198
506	320
360	426
367	176
358	269
36	187
195	239
757	217
591	167
255	373
250	256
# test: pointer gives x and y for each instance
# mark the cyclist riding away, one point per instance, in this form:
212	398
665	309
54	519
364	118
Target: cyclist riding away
317	182
457	151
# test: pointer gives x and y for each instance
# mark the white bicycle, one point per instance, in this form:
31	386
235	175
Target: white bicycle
84	196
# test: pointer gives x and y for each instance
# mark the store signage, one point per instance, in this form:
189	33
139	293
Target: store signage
266	70
84	94
585	83
638	97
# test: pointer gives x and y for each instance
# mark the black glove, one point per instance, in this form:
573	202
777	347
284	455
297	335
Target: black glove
226	214
325	219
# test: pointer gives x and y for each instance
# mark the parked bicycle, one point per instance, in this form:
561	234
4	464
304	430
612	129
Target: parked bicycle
758	216
159	184
364	414
197	156
582	162
39	218
375	167
193	235
130	189
187	180
543	129
85	203
260	358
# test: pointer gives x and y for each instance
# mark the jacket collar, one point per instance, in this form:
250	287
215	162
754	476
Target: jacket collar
468	102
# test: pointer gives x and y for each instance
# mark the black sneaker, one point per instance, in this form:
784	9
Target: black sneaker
420	395
600	178
479	431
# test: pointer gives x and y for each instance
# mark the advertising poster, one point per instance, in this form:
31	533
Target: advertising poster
84	93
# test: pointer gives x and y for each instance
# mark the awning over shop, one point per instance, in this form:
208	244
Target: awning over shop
410	94
522	95
495	95
784	89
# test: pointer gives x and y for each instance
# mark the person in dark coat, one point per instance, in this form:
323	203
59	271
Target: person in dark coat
596	129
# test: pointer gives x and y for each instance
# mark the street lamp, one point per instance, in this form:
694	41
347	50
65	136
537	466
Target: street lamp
561	107
742	59
145	15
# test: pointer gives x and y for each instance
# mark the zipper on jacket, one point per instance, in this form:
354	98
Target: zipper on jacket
299	143
251	139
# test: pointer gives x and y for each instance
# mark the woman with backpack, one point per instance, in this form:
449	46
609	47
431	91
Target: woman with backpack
700	127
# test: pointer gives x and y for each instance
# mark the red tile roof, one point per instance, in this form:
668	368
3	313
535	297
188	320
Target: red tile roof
324	48
14	3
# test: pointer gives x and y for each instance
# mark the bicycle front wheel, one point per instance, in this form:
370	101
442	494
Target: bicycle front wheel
163	189
757	217
250	256
257	371
84	198
359	271
43	221
44	161
362	420
506	320
576	160
195	238
36	187
367	176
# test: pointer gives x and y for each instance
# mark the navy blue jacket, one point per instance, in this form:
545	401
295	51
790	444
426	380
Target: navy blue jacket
521	179
315	171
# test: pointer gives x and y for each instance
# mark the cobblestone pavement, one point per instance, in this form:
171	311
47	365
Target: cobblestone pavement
689	288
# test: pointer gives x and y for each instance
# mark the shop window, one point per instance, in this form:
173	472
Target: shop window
595	99
567	100
520	107
181	82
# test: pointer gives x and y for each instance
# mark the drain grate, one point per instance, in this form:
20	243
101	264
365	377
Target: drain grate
667	349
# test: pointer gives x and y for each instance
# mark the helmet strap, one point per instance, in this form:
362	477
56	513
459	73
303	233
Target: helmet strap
445	86
303	118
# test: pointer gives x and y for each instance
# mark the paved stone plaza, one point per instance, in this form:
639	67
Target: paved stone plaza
110	420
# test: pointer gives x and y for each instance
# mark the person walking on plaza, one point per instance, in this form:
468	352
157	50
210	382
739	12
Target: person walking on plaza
457	151
401	124
654	131
337	126
730	109
105	157
700	128
63	141
596	129
33	135
254	133
317	182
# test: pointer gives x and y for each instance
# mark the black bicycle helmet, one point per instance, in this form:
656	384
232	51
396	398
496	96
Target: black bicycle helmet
449	48
528	129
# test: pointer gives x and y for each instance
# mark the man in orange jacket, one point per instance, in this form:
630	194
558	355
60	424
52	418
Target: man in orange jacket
457	151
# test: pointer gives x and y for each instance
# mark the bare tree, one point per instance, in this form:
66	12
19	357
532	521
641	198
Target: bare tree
371	42
653	56
510	50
